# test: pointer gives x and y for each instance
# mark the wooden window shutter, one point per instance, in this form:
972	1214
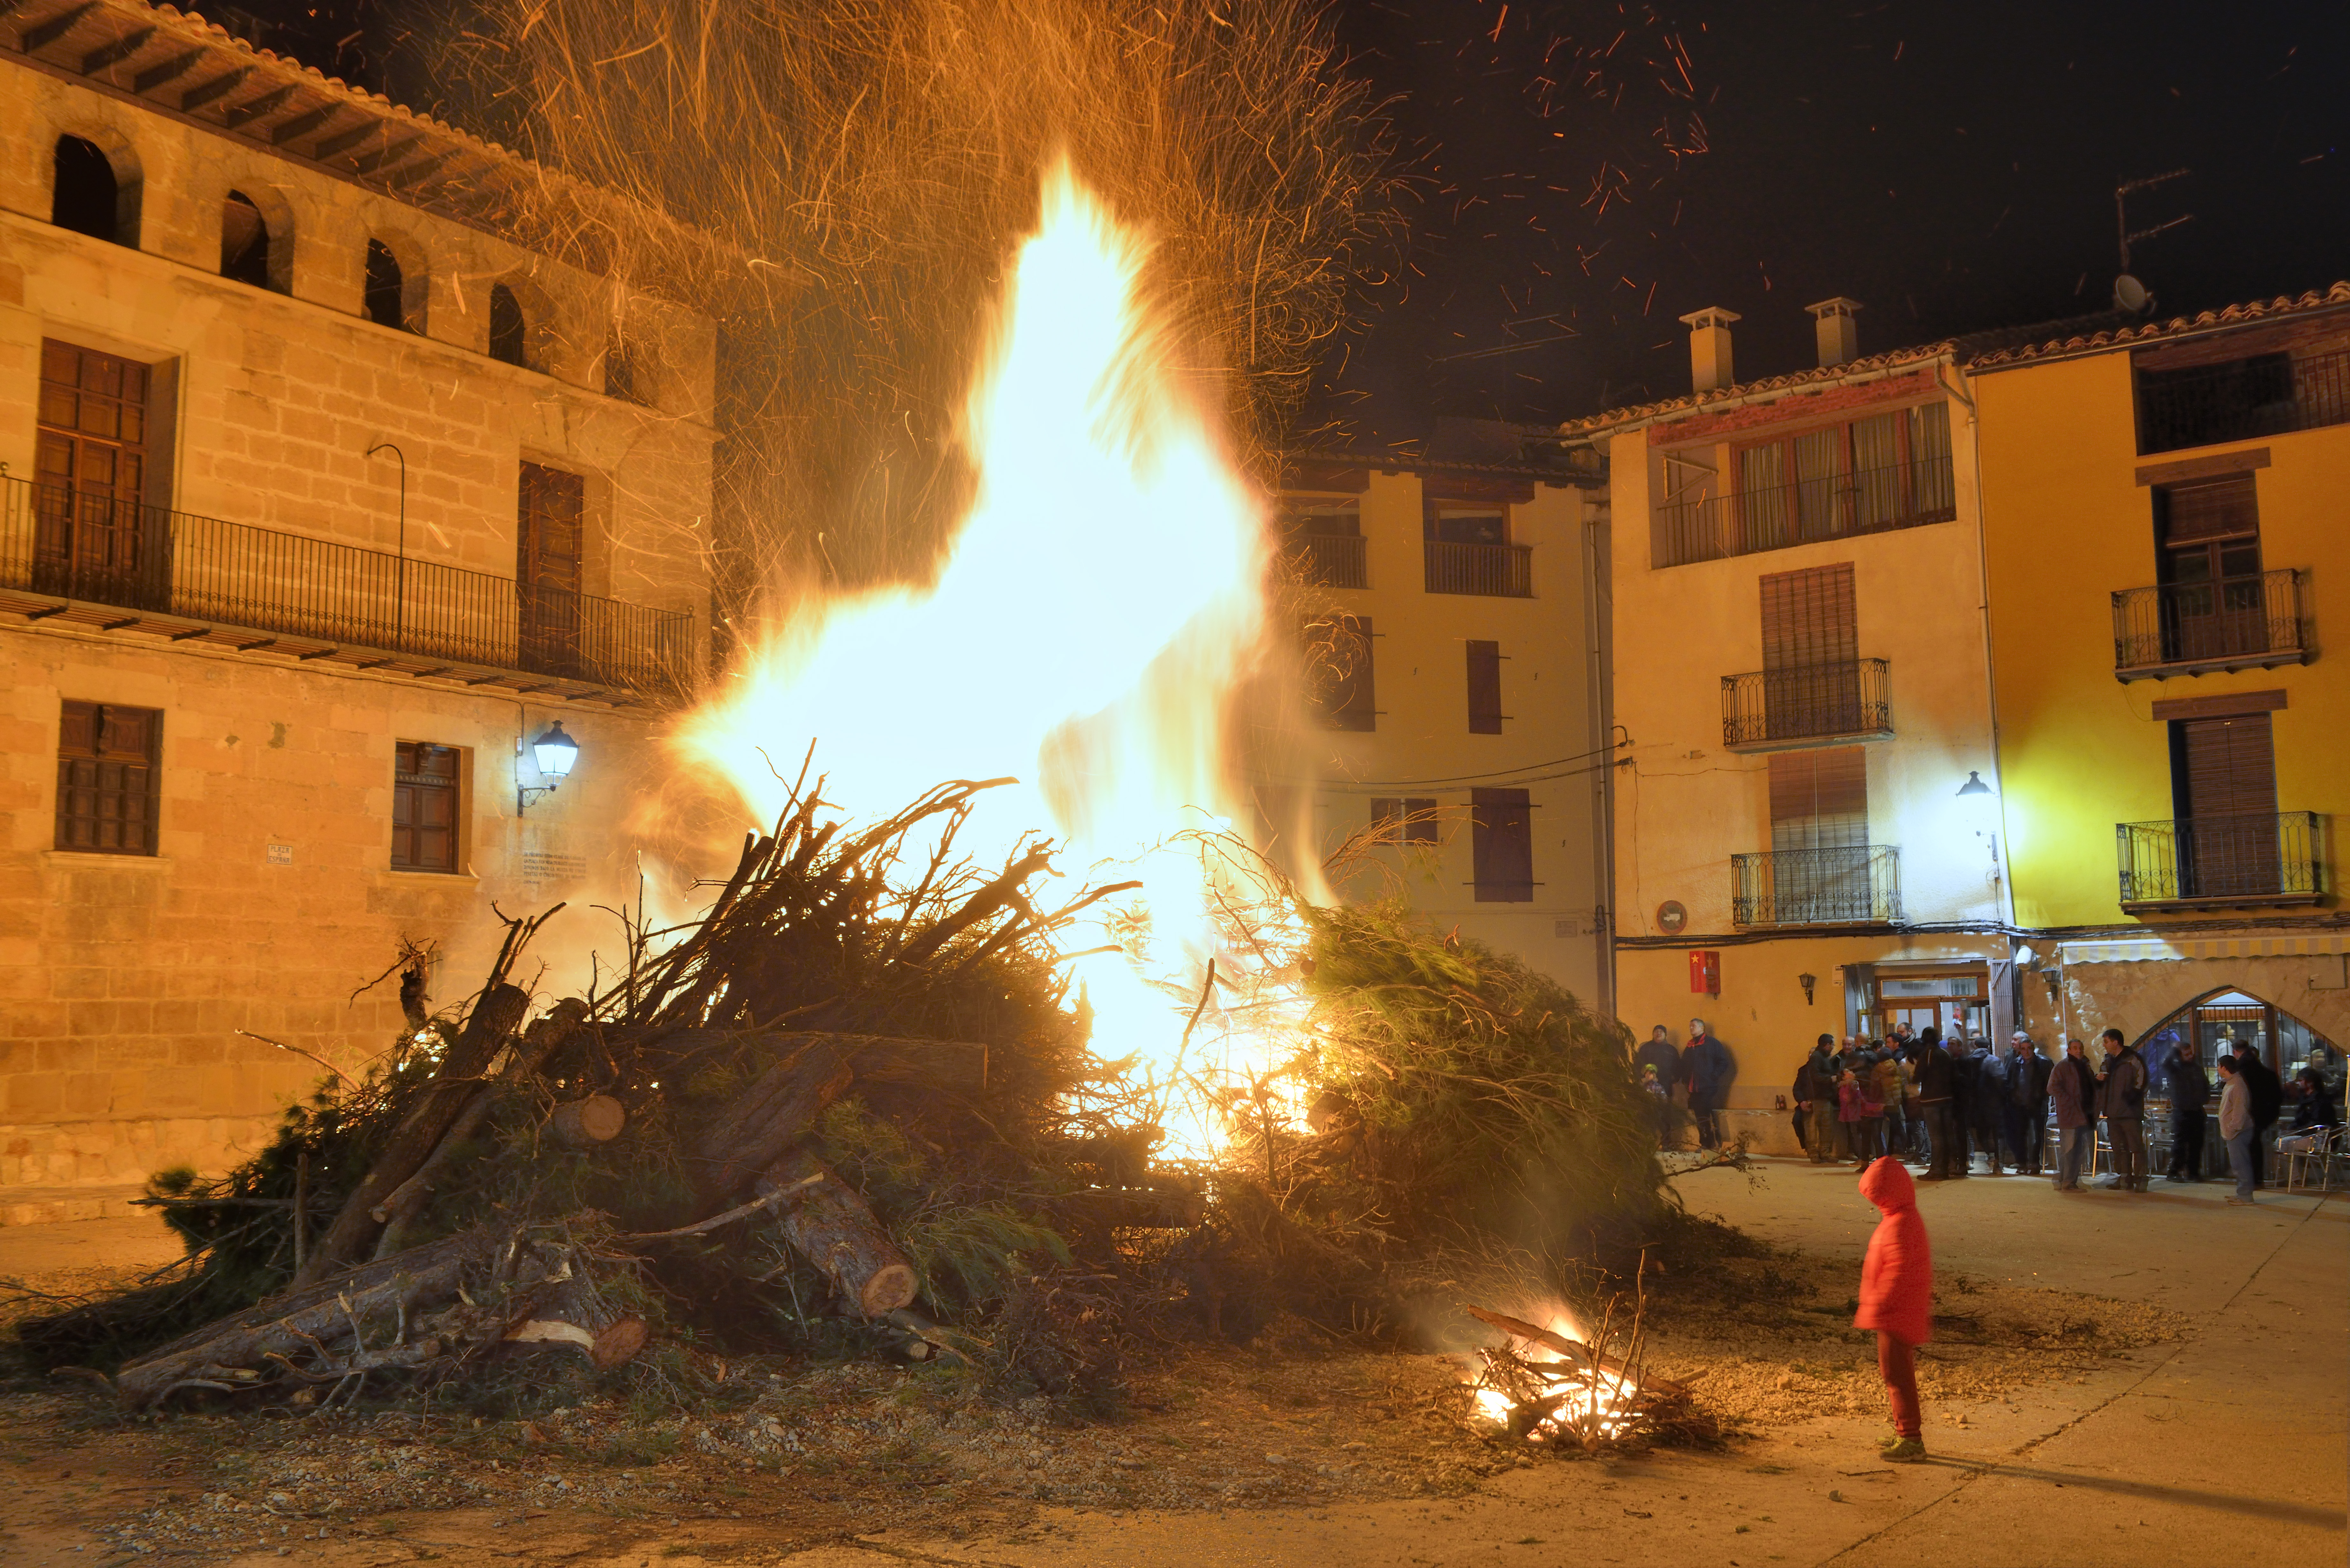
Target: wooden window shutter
1819	799
1484	688
1338	658
109	782
1503	843
425	802
2230	766
2220	508
1809	618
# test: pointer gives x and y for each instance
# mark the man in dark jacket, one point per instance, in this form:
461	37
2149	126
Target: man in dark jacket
1707	1064
1936	1092
1816	1097
1988	1111
2025	1113
2267	1091
2190	1097
2121	1100
1962	1098
1660	1053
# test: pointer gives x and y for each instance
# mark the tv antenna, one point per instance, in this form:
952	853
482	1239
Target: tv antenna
2130	295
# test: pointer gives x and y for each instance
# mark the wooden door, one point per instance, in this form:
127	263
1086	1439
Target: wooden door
90	539
2226	772
549	540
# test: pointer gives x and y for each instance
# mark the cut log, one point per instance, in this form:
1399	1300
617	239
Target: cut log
353	1233
597	1119
619	1343
296	1324
828	1223
812	1070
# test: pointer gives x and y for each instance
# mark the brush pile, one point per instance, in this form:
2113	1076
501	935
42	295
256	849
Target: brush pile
850	1110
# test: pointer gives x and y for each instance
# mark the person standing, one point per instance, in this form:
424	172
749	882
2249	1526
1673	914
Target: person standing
1815	1095
2236	1126
1991	1101
1893	1093
2190	1097
2121	1100
1897	1295
2072	1089
2267	1091
1935	1098
2029	1114
1660	1054
1709	1070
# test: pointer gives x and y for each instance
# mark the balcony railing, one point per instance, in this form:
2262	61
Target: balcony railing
1329	560
2219	861
1836	506
1768	708
56	542
2244	399
1496	571
1856	886
2229	624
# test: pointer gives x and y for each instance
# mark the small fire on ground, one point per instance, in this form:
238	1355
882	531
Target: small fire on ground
1548	1384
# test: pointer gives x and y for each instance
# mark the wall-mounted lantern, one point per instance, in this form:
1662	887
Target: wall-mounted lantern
1807	981
555	753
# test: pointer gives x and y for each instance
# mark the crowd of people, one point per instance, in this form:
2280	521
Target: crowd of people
1943	1103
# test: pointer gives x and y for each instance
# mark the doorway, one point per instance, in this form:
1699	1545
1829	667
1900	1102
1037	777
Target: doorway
1946	999
93	539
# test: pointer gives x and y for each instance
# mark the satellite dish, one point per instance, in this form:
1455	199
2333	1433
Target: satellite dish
2130	295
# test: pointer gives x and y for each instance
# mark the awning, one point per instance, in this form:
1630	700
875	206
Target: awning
2154	949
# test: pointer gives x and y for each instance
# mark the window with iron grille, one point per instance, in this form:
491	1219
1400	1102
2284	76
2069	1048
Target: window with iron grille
1403	819
424	800
108	778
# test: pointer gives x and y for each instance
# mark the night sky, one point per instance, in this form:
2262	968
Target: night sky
1581	172
1950	166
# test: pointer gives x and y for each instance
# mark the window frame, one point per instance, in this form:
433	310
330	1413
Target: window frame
414	779
149	792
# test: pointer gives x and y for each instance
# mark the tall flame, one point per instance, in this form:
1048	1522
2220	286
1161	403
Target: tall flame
1100	605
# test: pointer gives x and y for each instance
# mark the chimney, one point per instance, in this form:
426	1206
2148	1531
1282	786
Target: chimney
1839	334
1709	346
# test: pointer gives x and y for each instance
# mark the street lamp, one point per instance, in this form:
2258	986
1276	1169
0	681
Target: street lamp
1807	981
555	752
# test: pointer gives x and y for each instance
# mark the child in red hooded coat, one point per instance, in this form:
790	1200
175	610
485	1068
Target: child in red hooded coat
1896	1294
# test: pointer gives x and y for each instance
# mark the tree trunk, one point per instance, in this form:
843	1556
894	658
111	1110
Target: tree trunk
828	1223
597	1119
353	1233
296	1324
812	1070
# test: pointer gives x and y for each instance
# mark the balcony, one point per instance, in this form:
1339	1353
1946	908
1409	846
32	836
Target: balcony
2241	862
1835	506
1860	885
2244	399
1327	560
1811	704
82	558
1494	571
2192	629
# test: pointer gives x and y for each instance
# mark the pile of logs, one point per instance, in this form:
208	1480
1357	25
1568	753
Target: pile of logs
772	993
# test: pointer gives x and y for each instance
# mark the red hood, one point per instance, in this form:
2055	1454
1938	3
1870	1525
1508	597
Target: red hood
1887	1184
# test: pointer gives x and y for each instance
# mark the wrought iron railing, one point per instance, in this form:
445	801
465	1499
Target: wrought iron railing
2261	855
2231	619
1495	571
1860	883
2264	395
1329	560
1808	702
1835	506
56	541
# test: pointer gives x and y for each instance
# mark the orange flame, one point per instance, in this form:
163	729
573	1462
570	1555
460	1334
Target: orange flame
1100	604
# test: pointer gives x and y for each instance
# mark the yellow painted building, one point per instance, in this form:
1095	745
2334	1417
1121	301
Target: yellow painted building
2167	551
1457	607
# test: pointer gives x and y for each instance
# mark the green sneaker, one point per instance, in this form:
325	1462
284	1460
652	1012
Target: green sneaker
1905	1449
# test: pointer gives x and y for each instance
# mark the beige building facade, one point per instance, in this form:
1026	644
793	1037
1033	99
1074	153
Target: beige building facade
323	499
1465	746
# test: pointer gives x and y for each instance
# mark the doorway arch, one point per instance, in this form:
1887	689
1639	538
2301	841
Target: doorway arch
2227	1013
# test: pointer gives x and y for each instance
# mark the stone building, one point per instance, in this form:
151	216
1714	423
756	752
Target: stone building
323	498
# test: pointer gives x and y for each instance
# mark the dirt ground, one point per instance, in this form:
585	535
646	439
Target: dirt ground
1292	1449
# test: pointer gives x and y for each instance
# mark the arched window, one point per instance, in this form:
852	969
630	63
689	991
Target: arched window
509	332
385	299
87	197
245	242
